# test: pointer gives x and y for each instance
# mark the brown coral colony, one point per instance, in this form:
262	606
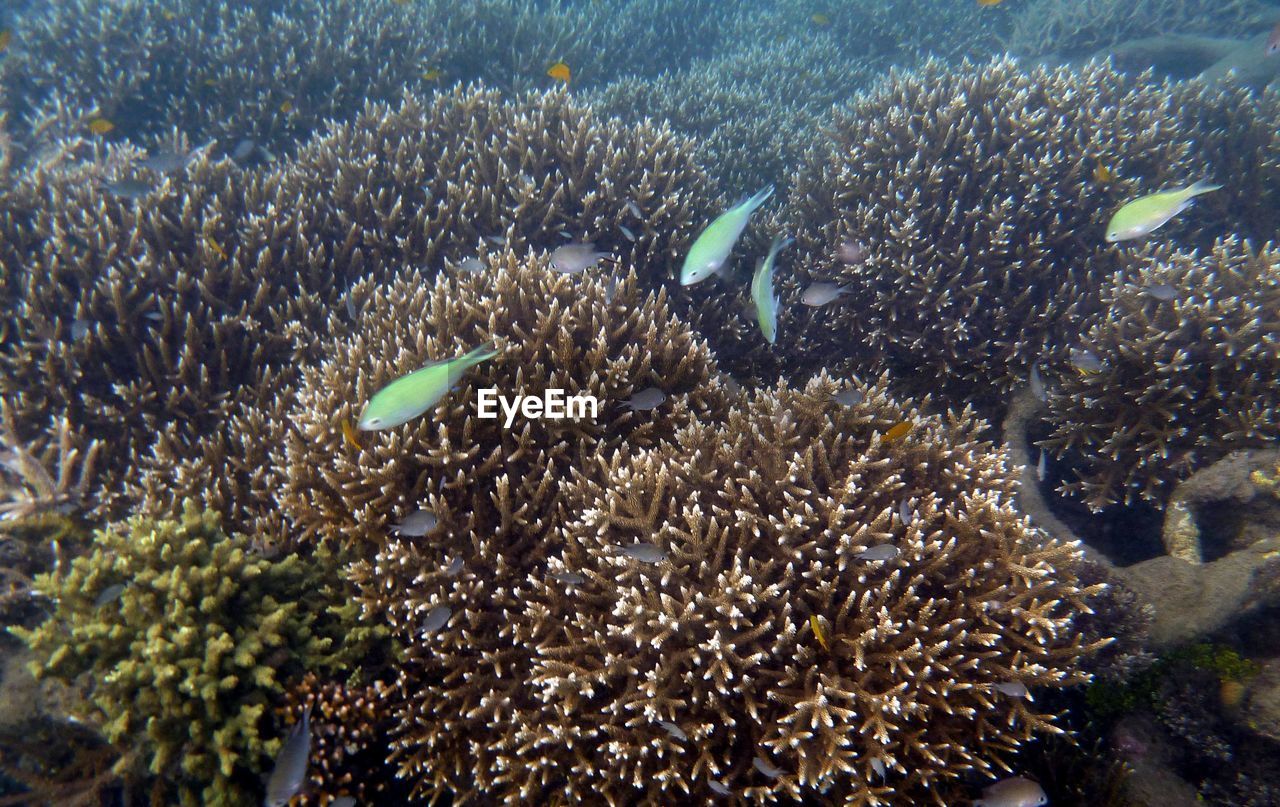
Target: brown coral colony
770	561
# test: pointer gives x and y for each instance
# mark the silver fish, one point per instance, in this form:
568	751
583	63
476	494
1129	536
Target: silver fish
1037	385
644	552
878	552
1162	292
877	765
719	787
572	259
243	149
109	594
436	619
496	239
133	189
472	266
1042	467
565	234
849	397
611	288
626	232
166	162
673	730
852	252
454	568
416	524
1014	689
819	294
80	329
1085	361
646	399
1016	792
290	771
767	768
635	211
904	513
352	311
569	578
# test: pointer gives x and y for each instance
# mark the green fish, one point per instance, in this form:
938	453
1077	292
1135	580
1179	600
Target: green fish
762	291
1144	214
712	247
410	395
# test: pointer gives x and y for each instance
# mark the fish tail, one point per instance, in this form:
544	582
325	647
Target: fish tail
480	353
780	242
760	198
1202	187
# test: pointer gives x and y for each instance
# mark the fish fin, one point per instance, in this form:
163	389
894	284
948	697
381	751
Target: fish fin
1200	187
760	198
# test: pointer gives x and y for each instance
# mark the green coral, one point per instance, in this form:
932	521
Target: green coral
1107	699
185	662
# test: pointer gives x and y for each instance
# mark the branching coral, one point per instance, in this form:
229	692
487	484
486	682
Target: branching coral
1044	27
762	521
981	194
163	318
186	653
1182	381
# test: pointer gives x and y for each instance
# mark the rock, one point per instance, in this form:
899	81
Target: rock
1261	707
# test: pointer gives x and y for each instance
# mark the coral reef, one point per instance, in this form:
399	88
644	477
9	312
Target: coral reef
1181	382
153	326
350	741
767	631
1048	27
185	654
980	194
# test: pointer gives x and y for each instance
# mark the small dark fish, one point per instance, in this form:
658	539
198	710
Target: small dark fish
416	524
569	578
290	771
1016	792
80	329
852	253
718	787
849	397
646	399
436	619
673	730
819	294
128	188
454	568
1037	385
1014	689
572	259
166	162
243	149
1162	292
878	552
644	552
109	594
767	768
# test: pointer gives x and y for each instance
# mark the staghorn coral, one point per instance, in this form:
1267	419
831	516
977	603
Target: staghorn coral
1183	382
762	519
1047	27
751	126
350	736
193	302
184	659
275	71
973	189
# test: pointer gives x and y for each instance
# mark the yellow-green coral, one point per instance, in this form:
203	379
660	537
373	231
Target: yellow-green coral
184	662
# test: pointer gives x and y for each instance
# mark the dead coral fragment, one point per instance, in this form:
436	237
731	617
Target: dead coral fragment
33	489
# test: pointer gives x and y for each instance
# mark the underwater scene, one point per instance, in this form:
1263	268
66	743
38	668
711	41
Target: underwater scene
640	402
